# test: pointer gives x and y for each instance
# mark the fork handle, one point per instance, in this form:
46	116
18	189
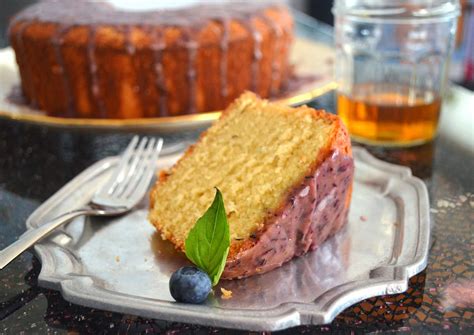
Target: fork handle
32	236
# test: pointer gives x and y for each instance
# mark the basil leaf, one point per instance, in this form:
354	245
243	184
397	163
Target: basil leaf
207	244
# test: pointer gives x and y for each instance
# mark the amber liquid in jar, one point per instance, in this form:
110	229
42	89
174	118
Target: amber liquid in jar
389	115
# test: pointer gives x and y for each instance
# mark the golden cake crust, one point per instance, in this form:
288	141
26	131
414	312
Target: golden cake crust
132	70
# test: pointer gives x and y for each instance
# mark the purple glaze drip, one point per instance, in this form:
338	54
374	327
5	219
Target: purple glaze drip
257	55
315	211
95	89
128	41
131	51
191	46
58	41
277	31
224	46
158	46
257	52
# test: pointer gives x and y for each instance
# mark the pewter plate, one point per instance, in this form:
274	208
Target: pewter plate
122	265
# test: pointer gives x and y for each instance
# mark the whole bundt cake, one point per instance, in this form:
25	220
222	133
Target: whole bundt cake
91	59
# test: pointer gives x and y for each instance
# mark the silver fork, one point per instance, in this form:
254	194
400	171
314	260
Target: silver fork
125	188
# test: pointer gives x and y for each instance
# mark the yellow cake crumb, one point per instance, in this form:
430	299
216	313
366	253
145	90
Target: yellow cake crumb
226	294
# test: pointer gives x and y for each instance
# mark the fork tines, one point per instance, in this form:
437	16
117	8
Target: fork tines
135	169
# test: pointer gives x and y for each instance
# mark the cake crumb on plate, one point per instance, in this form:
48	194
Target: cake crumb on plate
226	294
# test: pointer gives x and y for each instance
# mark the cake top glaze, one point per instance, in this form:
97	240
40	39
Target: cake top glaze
86	12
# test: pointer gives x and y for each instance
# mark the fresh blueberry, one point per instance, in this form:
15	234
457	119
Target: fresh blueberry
189	284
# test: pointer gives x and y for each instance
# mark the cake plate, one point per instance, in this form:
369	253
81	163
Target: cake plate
122	265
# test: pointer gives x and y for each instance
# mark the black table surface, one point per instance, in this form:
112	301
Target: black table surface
36	161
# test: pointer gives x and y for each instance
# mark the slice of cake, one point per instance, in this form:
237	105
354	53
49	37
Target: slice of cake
285	175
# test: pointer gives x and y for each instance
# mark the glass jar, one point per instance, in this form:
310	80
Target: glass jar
391	67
